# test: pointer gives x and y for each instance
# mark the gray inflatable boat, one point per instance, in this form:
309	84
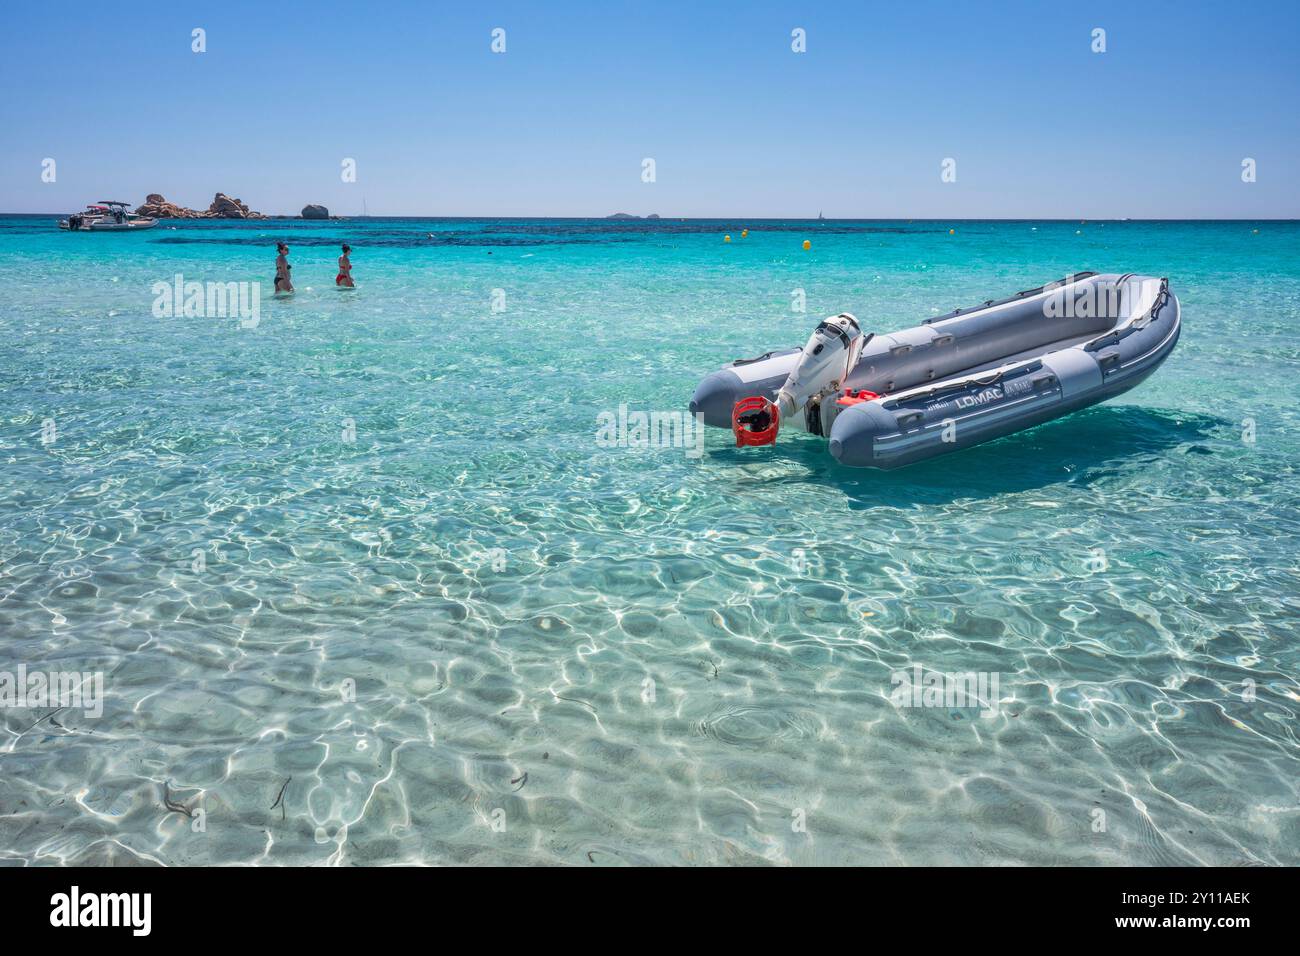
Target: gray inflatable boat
953	381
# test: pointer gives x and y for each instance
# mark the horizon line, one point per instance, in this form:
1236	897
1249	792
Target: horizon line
662	218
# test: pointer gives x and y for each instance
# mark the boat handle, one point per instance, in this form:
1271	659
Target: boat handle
909	418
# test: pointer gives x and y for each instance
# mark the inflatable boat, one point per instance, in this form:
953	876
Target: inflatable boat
955	380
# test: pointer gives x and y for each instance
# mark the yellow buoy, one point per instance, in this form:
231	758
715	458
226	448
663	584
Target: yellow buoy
807	244
744	234
952	232
726	238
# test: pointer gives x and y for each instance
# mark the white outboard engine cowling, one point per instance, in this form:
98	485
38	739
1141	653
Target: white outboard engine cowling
828	357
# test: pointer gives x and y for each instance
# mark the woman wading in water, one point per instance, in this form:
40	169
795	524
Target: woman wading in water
344	278
282	267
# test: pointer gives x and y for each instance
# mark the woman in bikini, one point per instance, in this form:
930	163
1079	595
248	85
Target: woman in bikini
344	278
282	267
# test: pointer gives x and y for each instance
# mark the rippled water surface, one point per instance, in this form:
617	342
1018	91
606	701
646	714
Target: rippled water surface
364	588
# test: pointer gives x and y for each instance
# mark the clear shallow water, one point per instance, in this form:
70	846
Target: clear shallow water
500	589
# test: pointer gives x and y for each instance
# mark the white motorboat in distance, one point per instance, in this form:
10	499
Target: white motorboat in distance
107	216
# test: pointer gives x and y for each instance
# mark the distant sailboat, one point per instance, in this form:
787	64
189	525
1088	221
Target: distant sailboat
820	217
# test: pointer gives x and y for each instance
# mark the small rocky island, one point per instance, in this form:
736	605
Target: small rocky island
223	207
628	215
313	211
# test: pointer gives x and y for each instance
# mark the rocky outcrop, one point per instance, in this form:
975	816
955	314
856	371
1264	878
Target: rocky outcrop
312	211
223	207
156	207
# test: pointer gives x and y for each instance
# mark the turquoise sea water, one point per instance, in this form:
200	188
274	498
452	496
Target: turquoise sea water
441	623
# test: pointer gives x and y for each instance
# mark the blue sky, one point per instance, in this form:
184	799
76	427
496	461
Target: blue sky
737	123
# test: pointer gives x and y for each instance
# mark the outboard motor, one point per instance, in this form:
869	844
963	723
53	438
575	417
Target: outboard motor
832	351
